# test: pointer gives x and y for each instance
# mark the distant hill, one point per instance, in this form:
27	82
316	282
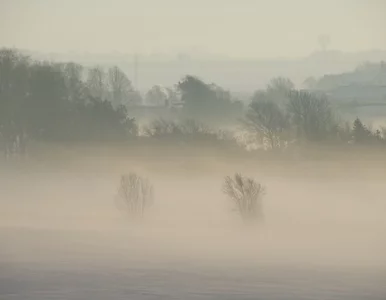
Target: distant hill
365	85
367	74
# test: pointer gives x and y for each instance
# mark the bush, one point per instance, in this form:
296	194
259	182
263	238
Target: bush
246	194
135	195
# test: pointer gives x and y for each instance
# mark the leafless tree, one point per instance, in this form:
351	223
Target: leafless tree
281	85
312	115
73	75
135	195
97	83
268	122
246	194
120	87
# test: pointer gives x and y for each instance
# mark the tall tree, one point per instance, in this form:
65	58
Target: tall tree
14	87
278	90
73	76
281	85
158	96
97	83
48	104
361	134
268	122
120	87
312	115
195	94
207	102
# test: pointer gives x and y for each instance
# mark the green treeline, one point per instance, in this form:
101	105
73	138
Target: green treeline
50	101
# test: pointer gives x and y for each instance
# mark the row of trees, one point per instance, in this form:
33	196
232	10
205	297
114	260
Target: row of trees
280	115
66	101
207	102
45	100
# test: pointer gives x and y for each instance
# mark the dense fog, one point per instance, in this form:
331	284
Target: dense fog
318	221
202	150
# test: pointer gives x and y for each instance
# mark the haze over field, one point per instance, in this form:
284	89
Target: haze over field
192	149
239	45
322	236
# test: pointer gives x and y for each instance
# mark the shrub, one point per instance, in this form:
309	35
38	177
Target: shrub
135	195
246	194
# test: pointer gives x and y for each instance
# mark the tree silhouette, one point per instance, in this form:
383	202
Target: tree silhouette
97	84
135	195
268	122
14	90
312	115
120	87
206	102
246	194
360	132
158	96
73	77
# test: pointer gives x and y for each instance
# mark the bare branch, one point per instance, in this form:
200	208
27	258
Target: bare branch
246	194
135	194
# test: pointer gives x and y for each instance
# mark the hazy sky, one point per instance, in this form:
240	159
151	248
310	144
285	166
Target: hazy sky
239	28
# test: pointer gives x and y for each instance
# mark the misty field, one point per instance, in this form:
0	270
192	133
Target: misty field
192	150
63	237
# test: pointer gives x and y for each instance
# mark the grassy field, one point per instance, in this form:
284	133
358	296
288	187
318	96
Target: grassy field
62	237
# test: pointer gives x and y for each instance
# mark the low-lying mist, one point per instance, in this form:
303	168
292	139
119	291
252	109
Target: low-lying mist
55	214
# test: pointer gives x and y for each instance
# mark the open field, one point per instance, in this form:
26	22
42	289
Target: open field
62	237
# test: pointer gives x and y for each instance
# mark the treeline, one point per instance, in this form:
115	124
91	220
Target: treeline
280	115
66	101
49	101
62	101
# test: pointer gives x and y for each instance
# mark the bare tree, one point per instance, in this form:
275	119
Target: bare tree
97	83
281	85
120	87
246	194
312	115
73	74
268	122
135	195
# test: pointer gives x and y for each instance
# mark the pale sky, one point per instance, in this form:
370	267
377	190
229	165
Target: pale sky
237	28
